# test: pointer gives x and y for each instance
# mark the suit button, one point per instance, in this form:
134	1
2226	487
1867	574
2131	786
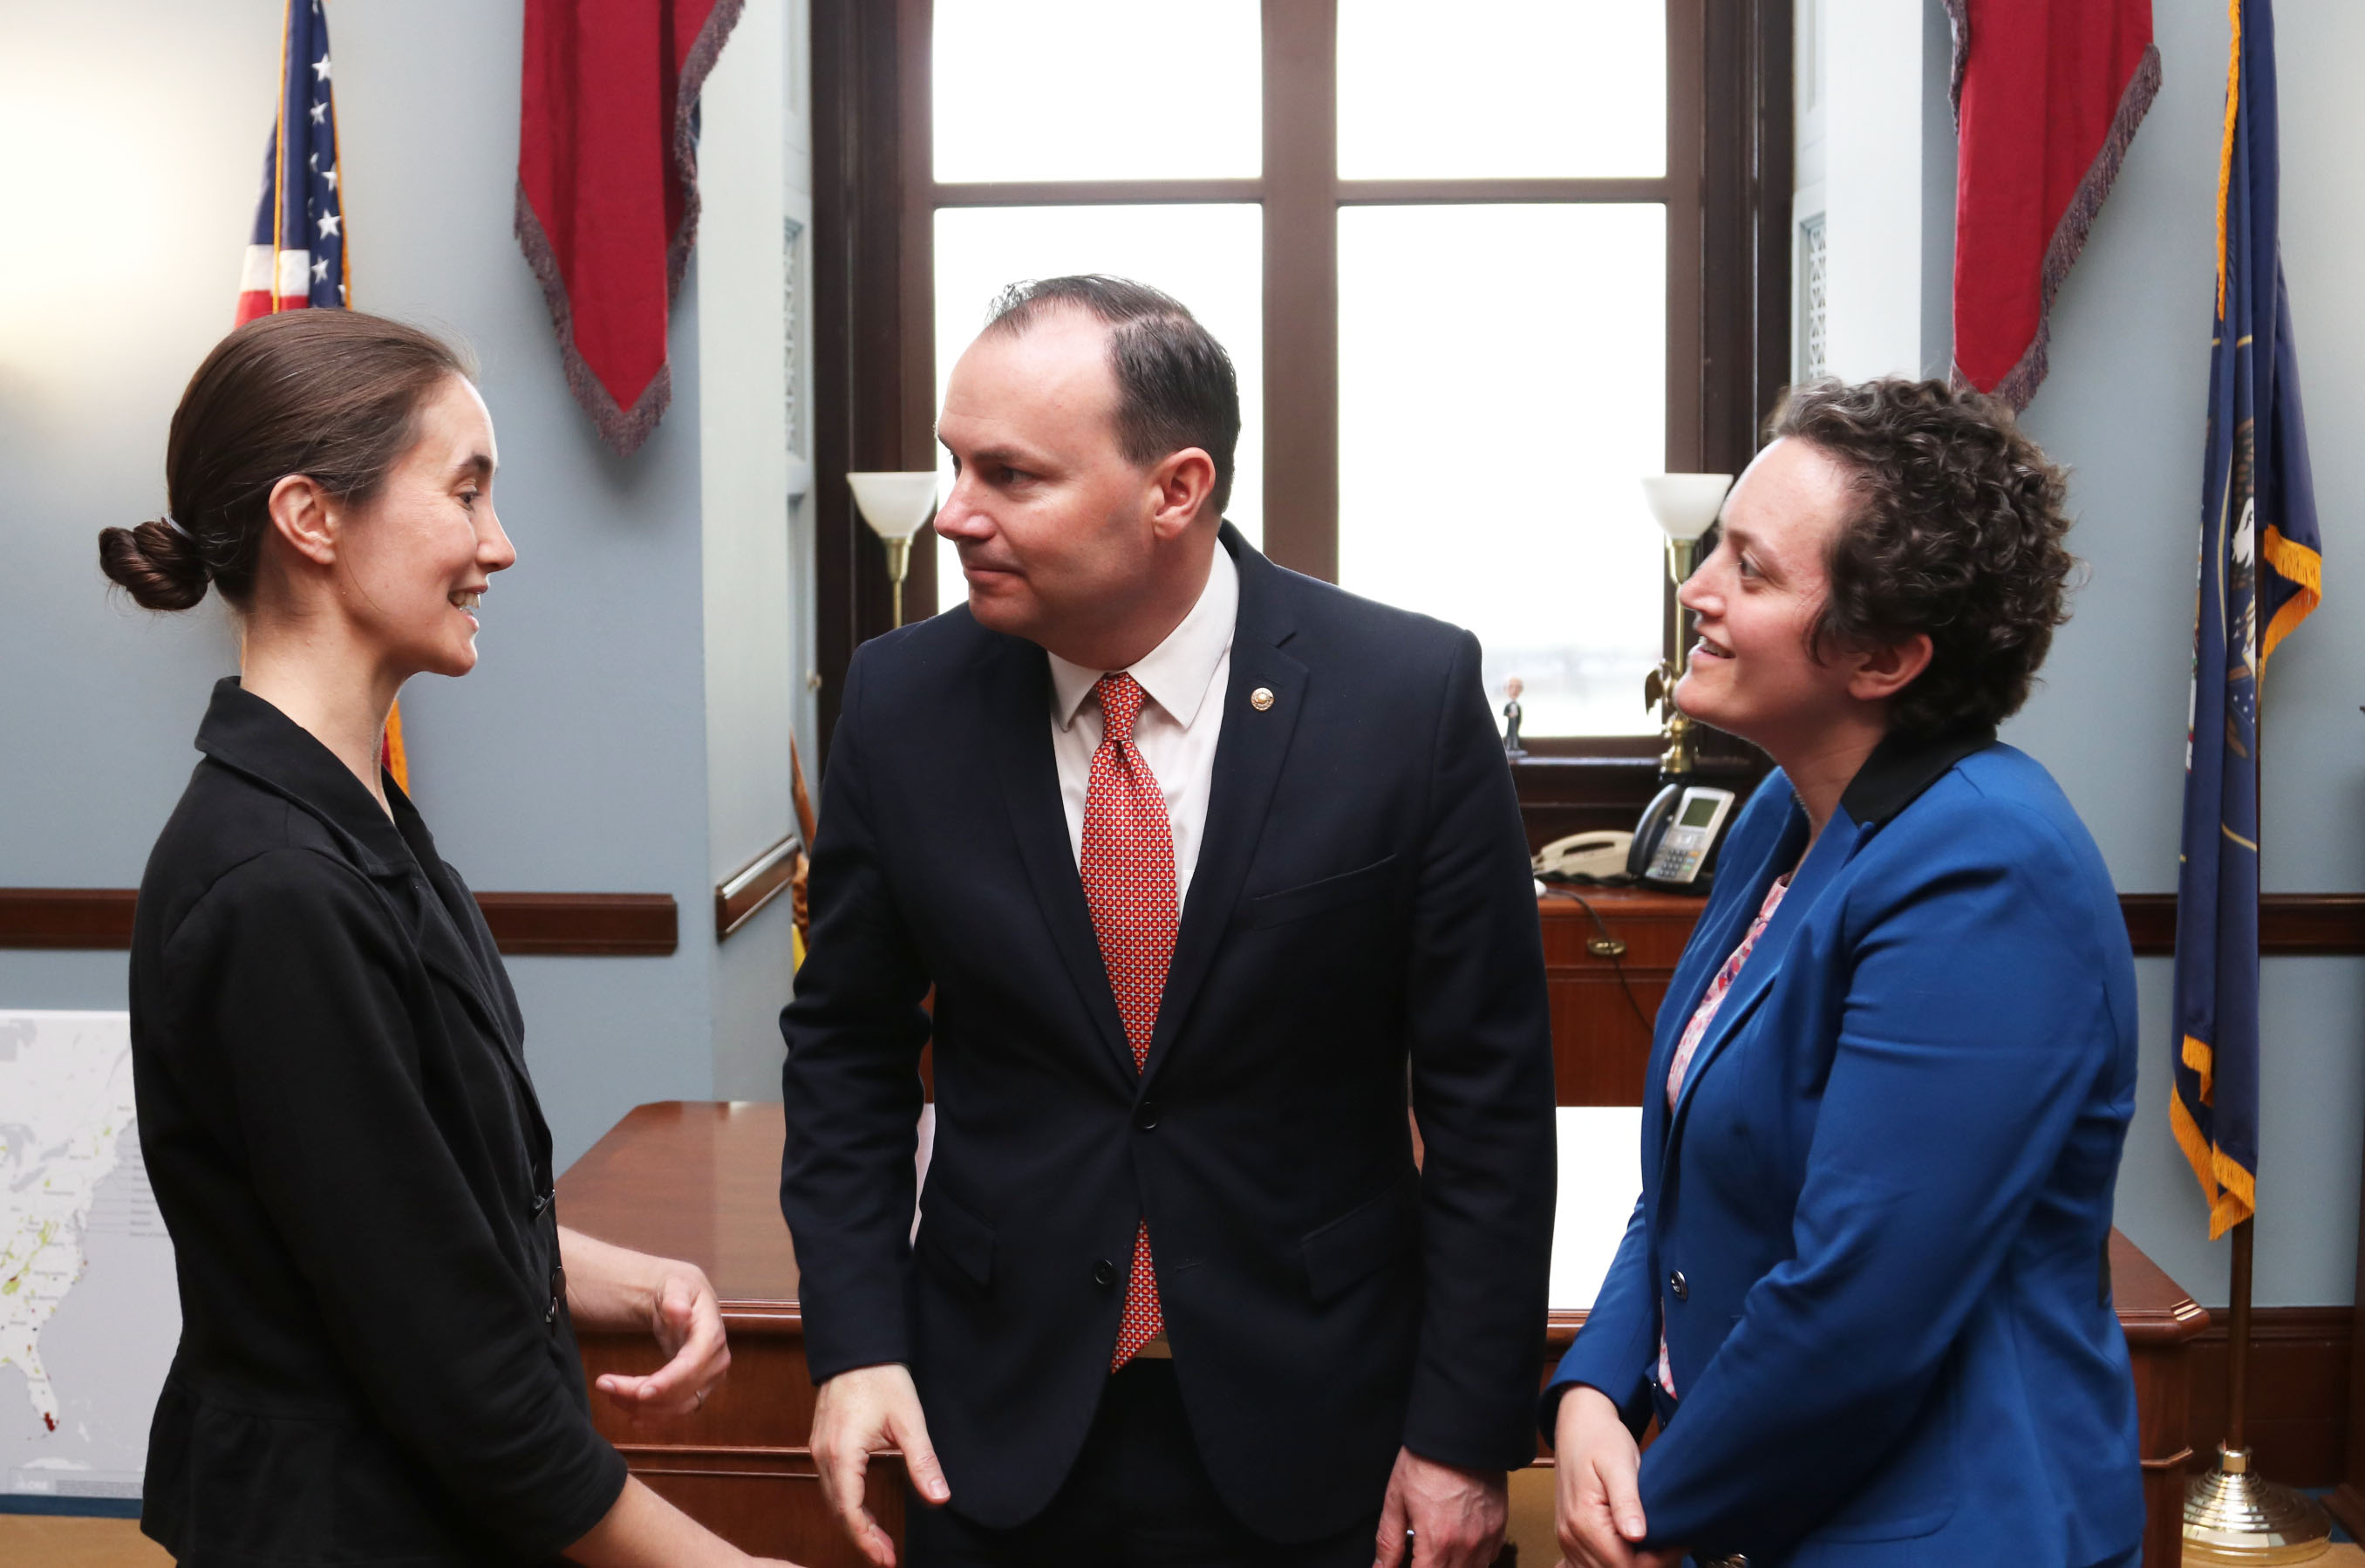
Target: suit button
551	1318
1145	1115
1678	1286
1104	1273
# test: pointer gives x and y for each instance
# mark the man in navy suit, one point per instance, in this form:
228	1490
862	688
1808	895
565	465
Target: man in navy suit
1212	868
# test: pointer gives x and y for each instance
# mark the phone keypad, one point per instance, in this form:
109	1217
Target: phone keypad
1681	855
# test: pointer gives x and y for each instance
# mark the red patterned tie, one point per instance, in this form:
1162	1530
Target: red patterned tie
1129	871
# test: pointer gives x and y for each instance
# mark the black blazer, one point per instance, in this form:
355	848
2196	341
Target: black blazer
375	1363
1362	900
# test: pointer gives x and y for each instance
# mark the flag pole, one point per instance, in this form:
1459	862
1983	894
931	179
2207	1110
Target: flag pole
2238	1340
2232	1515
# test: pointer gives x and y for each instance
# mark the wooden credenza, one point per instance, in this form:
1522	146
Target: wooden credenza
1608	954
700	1181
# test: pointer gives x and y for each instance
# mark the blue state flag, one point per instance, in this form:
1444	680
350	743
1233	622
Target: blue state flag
2261	575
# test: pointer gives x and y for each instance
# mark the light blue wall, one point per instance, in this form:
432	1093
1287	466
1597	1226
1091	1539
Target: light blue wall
575	757
751	164
2123	407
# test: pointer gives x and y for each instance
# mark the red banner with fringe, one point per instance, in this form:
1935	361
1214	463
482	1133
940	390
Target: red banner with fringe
607	197
2047	96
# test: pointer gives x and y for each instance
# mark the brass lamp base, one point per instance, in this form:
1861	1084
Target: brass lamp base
2234	1516
1659	685
898	561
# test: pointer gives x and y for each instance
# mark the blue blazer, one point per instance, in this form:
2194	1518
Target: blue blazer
1875	1223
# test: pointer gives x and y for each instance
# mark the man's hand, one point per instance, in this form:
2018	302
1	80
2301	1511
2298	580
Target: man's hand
1597	1512
1456	1517
686	1322
859	1413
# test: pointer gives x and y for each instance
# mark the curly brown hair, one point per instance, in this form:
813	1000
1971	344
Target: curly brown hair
1956	532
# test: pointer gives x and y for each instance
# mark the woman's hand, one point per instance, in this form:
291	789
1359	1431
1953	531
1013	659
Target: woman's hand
644	1531
687	1322
1599	1512
619	1290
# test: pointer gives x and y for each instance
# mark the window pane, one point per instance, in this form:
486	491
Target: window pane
1087	90
1208	257
1502	385
1494	89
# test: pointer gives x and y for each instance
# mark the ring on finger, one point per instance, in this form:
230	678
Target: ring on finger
701	1398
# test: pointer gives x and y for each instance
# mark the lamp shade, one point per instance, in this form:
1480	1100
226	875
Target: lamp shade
1686	504
894	505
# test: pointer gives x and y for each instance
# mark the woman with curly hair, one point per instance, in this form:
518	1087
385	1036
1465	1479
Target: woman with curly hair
1866	1290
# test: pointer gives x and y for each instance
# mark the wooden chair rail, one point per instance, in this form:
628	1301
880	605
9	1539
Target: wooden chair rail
755	884
576	926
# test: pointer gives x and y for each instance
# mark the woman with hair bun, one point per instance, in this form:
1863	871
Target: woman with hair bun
1865	1294
377	1358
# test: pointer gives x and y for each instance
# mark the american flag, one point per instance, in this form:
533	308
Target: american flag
297	254
296	257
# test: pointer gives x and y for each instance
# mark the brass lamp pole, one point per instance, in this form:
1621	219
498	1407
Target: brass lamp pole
895	506
1686	505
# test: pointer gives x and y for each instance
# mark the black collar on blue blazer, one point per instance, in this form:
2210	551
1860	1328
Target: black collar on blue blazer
1898	771
1900	768
244	733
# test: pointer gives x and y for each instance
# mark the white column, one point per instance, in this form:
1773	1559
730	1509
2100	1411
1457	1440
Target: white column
1869	80
744	473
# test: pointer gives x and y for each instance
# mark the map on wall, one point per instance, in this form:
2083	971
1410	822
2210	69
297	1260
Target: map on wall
89	1309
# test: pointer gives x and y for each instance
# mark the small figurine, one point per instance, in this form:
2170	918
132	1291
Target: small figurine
1511	747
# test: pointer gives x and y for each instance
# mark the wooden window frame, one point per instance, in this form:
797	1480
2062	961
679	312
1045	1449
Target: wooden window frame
1727	191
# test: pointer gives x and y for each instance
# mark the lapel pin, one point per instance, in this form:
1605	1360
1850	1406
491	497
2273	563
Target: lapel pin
1260	699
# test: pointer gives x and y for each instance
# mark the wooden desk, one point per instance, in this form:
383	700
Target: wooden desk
1601	1000
2160	1319
700	1181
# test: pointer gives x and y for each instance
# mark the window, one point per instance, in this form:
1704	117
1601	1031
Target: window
1479	266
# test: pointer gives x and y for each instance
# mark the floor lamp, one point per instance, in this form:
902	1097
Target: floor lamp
895	506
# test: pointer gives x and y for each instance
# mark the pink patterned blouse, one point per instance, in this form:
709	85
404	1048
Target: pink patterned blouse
1695	1031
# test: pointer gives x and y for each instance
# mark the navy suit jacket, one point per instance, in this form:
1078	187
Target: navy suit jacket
1875	1224
1361	911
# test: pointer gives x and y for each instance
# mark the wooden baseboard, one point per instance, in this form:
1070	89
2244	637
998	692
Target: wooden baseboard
581	925
2299	1392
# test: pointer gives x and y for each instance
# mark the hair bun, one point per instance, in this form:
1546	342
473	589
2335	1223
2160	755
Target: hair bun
161	567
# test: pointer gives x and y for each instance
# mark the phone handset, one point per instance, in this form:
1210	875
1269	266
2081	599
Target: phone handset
1596	855
1677	840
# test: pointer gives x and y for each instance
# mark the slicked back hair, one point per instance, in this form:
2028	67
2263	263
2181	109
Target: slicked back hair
333	395
1176	387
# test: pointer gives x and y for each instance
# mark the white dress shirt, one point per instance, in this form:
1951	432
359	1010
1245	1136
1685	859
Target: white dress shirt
1184	678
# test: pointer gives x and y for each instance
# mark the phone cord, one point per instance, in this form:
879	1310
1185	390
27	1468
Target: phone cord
1617	961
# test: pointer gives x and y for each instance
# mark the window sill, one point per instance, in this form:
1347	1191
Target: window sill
1578	793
